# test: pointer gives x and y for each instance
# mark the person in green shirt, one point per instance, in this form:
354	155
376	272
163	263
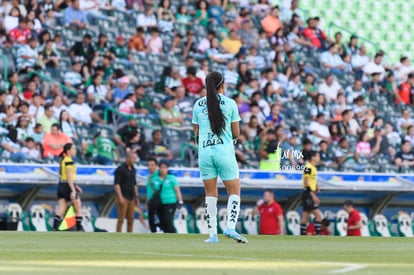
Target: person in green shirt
105	150
201	14
14	80
120	50
145	104
170	196
152	165
169	115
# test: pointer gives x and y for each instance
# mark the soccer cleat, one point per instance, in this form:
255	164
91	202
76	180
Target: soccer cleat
212	239
232	234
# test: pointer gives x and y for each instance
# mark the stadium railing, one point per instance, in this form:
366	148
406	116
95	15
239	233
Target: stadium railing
5	66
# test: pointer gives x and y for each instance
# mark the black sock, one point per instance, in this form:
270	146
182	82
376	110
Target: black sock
79	223
317	228
303	229
56	222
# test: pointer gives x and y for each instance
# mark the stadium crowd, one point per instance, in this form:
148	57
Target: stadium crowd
74	62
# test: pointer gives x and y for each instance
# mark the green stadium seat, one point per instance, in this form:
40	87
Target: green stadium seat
182	221
379	226
39	218
200	223
340	223
365	225
292	223
14	214
402	225
250	222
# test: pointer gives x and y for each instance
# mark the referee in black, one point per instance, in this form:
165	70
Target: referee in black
126	192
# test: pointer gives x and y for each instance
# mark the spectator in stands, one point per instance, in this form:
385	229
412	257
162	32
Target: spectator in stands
405	157
66	125
184	103
253	128
275	118
363	147
403	69
73	78
410	135
121	137
120	51
126	192
354	91
267	150
310	231
201	14
375	86
82	113
14	80
315	35
295	88
74	16
232	44
24	129
244	72
280	39
352	47
318	129
11	147
102	46
393	138
338	42
106	150
122	90
331	61
320	107
127	105
36	108
231	77
287	13
169	115
134	145
164	7
271	23
295	41
216	11
32	150
83	50
404	122
330	88
58	106
327	156
54	141
380	145
247	34
192	84
20	34
47	119
166	22
374	66
156	148
28	57
348	125
339	107
359	61
147	20
344	154
97	92
49	57
154	42
354	223
137	41
144	103
403	94
291	147
11	21
310	87
272	221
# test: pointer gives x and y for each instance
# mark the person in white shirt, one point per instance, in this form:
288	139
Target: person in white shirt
319	130
73	78
27	55
403	68
58	106
11	21
98	93
36	108
352	92
30	149
147	19
374	67
331	60
404	122
81	112
330	88
360	60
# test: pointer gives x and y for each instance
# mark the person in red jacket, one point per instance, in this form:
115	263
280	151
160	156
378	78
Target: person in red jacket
272	221
354	223
315	35
404	91
310	231
192	84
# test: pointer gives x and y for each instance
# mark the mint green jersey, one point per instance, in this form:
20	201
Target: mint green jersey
209	144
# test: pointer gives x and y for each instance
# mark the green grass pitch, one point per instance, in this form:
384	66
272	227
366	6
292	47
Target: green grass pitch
108	253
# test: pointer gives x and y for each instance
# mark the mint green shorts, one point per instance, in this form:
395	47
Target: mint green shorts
213	166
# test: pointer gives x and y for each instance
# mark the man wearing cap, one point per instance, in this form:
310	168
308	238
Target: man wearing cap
354	223
21	33
122	90
374	66
74	16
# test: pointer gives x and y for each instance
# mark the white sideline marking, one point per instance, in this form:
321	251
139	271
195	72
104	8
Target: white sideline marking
349	268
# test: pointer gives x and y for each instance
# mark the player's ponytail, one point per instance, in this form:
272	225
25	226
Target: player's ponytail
214	81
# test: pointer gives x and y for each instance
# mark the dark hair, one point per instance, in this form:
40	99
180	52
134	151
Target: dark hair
60	118
29	139
163	162
191	71
349	203
269	191
217	120
325	222
152	159
311	154
19	119
55	125
66	148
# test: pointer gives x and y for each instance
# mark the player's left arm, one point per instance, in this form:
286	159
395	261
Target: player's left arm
196	131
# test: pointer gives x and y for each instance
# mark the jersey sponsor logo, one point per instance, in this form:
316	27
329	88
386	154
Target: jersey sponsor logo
203	102
212	140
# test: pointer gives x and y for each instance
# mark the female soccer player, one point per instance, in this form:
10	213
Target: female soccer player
68	192
216	125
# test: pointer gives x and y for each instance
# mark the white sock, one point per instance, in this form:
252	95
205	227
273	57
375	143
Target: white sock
233	210
211	215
